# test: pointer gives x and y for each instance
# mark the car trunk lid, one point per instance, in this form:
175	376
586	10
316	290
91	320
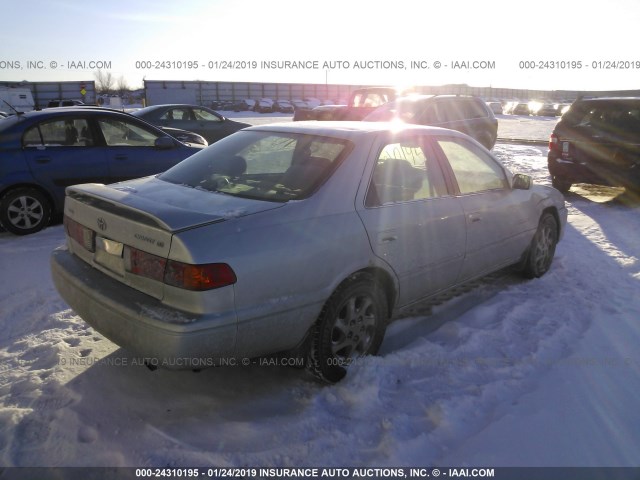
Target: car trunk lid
105	223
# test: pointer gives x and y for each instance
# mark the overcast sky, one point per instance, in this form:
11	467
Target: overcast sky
383	37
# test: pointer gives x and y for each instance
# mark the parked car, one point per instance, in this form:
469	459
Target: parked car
283	106
45	151
597	141
547	110
496	107
264	105
521	109
201	120
64	103
362	102
301	110
466	114
202	264
245	105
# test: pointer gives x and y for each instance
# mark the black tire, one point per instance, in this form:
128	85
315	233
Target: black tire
486	140
560	184
24	211
351	325
542	248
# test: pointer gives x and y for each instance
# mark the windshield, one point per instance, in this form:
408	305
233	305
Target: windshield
268	166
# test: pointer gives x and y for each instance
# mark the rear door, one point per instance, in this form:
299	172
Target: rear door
412	221
65	151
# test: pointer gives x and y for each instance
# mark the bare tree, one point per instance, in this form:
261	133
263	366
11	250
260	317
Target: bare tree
104	82
122	87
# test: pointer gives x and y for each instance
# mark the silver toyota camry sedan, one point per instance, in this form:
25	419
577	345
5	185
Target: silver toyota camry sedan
302	237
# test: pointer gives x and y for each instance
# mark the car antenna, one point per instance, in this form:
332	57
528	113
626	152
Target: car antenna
11	107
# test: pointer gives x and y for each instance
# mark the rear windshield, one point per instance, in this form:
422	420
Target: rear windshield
270	166
604	114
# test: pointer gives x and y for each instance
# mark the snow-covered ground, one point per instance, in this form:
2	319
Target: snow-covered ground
511	373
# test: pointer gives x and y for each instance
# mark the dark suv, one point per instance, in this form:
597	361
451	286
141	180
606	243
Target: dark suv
597	141
466	114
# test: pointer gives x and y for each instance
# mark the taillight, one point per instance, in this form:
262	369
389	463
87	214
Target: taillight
144	264
81	234
177	274
554	143
199	277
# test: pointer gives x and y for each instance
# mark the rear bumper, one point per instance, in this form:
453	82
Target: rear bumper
583	172
142	324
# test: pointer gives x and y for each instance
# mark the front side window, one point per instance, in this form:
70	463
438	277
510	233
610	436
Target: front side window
262	165
177	114
405	171
69	132
126	134
474	170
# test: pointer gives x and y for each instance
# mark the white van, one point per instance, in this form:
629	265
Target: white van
20	99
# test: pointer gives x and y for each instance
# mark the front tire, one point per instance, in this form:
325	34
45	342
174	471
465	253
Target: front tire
351	325
24	211
543	247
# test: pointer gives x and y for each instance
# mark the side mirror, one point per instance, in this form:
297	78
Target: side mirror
164	143
521	182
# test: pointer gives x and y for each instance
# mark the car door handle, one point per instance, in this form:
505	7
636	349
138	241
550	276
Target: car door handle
390	238
474	217
43	159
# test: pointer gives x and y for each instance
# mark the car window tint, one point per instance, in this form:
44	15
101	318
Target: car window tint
475	170
607	116
123	133
405	171
204	115
32	137
69	132
177	114
472	109
263	165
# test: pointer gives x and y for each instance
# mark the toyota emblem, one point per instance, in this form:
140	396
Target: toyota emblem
102	224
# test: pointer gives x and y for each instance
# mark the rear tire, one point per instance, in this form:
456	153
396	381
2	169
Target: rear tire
351	325
24	211
560	184
543	247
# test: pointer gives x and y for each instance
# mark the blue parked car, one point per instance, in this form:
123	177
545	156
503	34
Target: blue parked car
43	152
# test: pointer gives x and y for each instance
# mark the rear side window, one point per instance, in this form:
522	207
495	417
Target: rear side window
474	170
456	109
614	116
405	171
69	132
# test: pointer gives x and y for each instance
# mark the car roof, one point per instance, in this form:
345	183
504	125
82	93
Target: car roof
349	128
173	105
